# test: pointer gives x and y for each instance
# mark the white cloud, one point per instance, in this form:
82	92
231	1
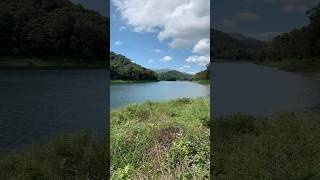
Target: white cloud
182	22
122	28
118	43
150	61
166	59
202	47
200	60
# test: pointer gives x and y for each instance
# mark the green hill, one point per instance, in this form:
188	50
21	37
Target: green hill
235	47
173	75
46	32
122	68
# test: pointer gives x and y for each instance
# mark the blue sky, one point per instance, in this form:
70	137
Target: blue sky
144	47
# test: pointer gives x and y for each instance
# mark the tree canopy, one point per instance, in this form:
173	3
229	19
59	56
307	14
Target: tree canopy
52	28
122	68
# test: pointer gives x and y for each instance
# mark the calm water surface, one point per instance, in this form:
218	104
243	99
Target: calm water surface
260	90
36	105
123	94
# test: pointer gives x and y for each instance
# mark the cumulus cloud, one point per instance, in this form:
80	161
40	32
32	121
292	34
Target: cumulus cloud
182	22
247	16
118	43
166	59
202	47
200	60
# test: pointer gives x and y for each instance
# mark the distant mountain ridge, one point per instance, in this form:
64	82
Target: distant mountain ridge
173	75
235	46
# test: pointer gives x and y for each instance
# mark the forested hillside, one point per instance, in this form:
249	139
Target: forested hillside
173	75
230	47
202	75
52	29
121	68
299	43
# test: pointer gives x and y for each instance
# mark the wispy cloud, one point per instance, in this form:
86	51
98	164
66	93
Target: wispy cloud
122	28
157	50
118	43
150	61
246	16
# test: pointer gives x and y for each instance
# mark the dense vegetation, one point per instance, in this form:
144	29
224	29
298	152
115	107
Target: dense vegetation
70	156
51	30
234	47
122	68
298	50
165	140
173	75
202	76
285	146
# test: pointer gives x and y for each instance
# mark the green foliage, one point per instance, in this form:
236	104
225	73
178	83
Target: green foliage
148	138
235	47
121	68
173	75
52	29
284	146
69	156
203	75
298	47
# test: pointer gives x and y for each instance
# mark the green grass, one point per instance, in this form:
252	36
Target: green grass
285	146
33	62
297	65
131	81
165	140
70	156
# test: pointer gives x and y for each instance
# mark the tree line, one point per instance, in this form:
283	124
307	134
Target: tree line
299	46
303	43
52	29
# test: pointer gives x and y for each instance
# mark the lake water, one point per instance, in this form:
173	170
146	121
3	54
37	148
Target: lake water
36	105
259	90
123	94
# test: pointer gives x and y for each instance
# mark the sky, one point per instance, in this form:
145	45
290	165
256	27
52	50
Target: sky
102	6
162	34
262	19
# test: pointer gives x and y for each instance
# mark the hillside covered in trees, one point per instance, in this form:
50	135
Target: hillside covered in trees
297	50
173	75
55	30
234	47
122	68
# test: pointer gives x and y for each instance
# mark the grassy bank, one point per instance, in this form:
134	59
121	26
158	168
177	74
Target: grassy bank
34	63
167	140
130	81
307	66
70	156
285	146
